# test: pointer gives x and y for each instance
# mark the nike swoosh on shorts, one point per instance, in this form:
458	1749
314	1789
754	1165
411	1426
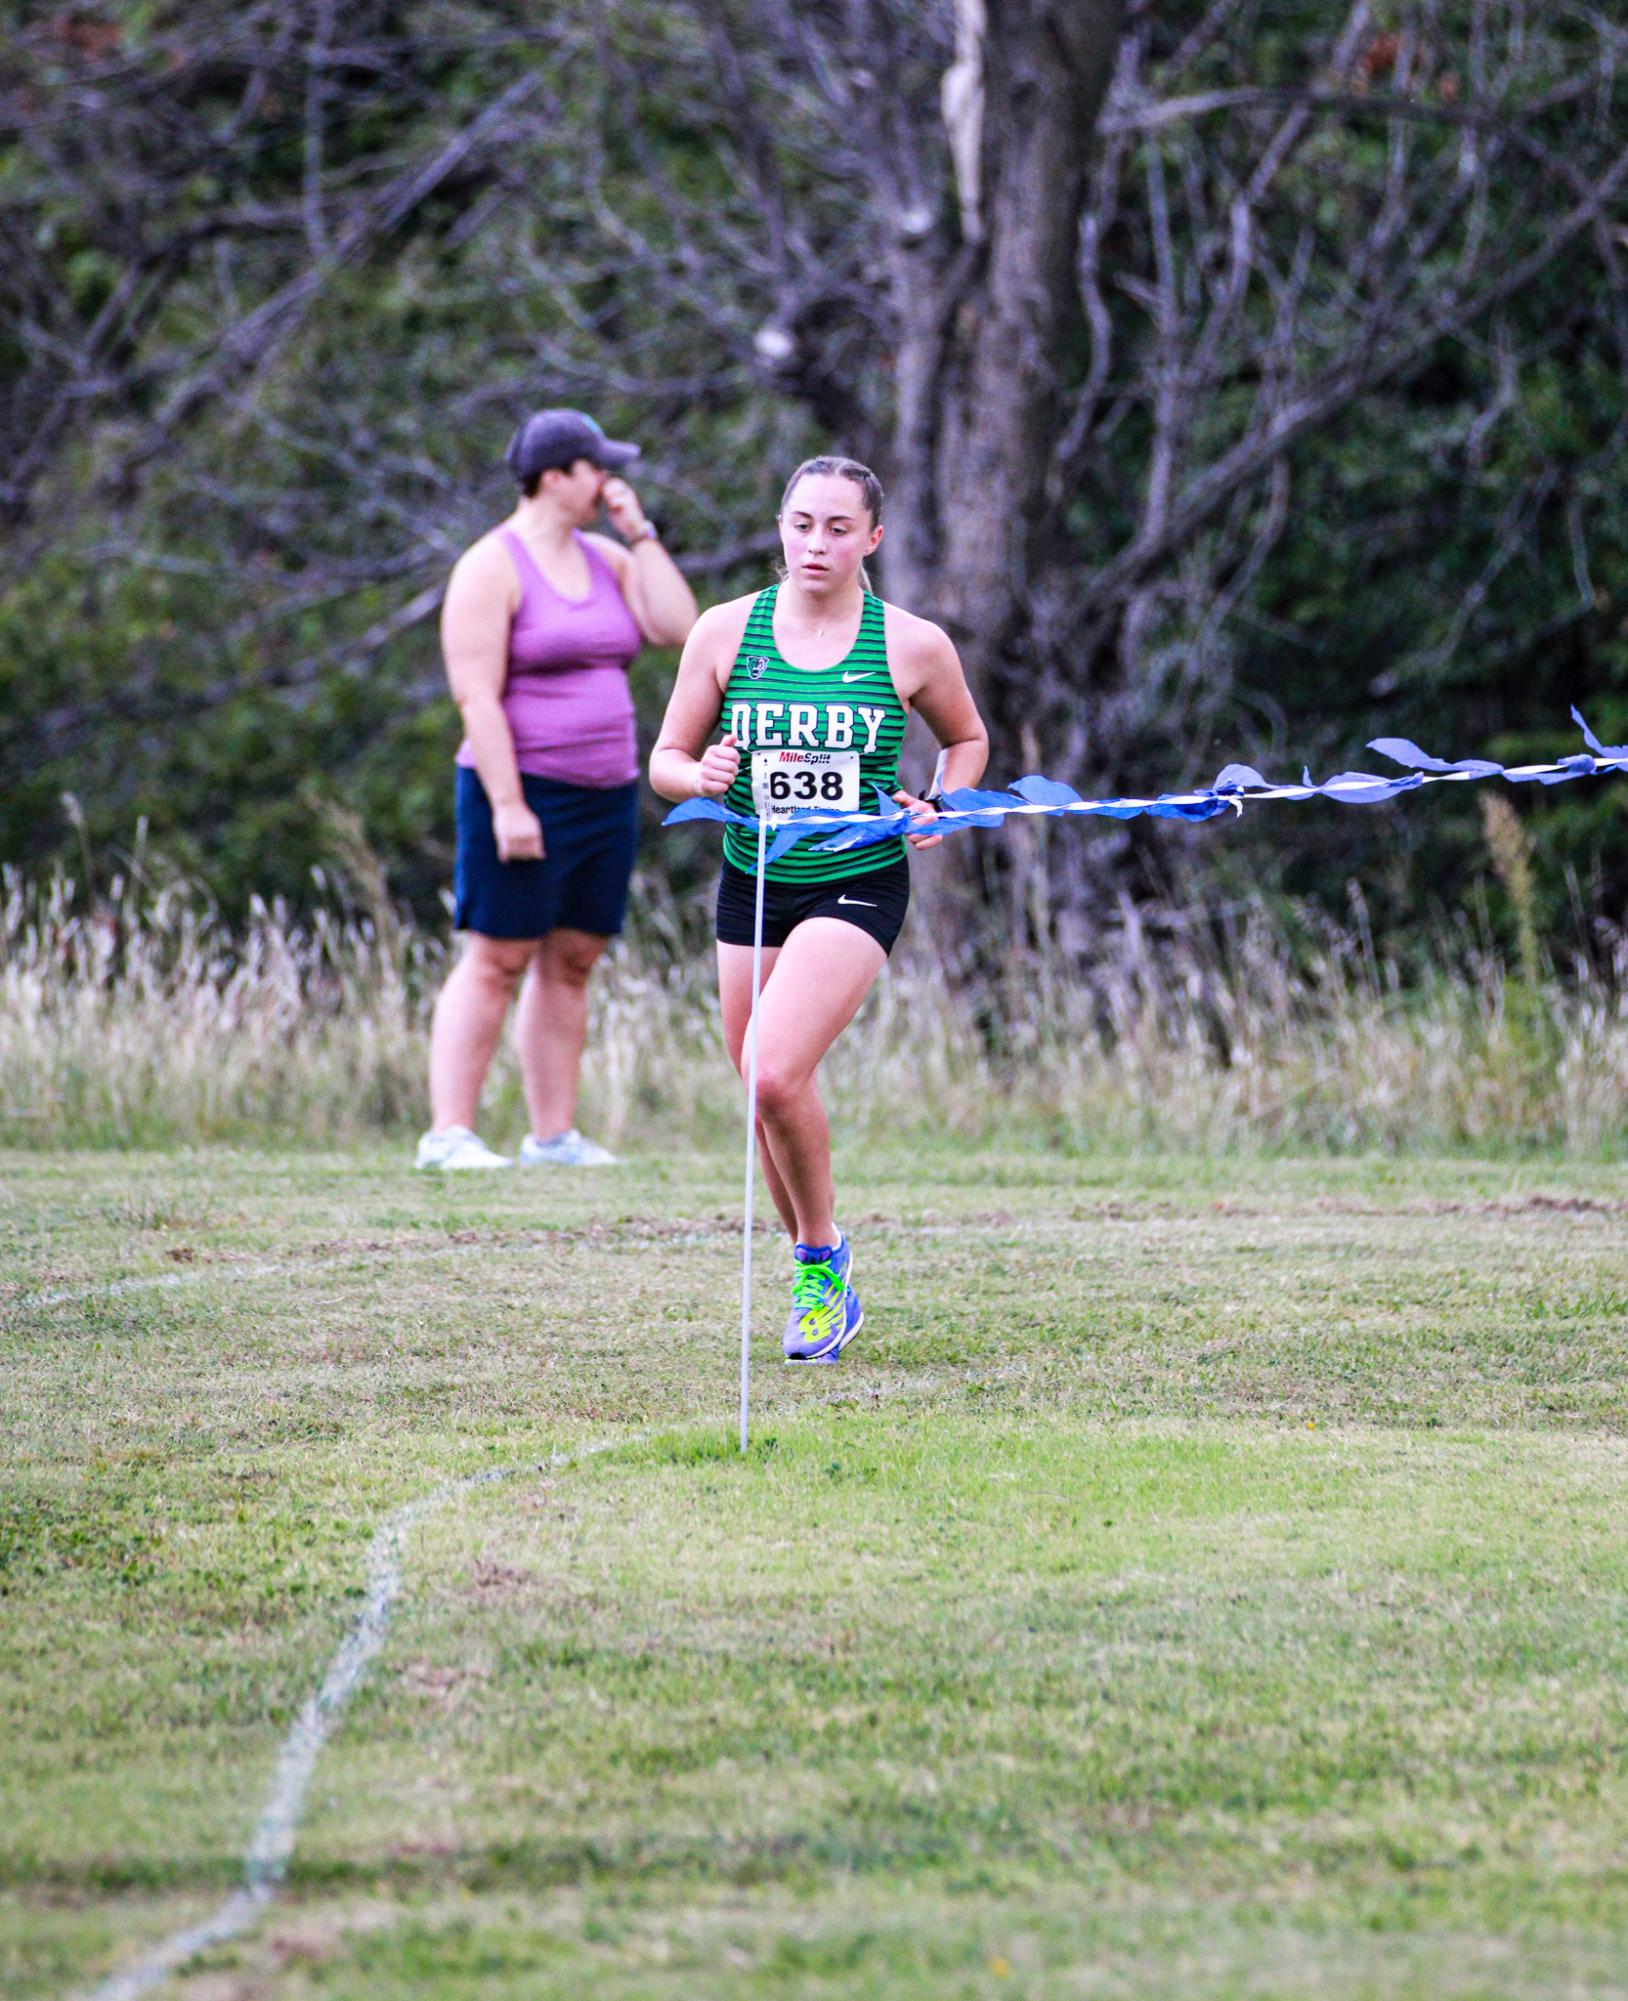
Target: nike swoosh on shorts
858	902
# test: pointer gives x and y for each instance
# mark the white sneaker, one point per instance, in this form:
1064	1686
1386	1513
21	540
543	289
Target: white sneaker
455	1148
567	1149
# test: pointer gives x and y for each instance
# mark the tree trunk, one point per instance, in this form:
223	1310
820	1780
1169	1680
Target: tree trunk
983	312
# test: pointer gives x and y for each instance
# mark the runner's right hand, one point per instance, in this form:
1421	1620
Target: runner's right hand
519	833
719	764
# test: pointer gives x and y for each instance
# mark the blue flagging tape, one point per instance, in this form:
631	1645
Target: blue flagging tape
1234	785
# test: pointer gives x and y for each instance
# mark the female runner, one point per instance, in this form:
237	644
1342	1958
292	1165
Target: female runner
813	679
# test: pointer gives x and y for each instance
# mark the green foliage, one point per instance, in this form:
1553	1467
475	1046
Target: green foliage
209	639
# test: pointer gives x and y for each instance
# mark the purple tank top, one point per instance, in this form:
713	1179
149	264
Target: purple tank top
566	697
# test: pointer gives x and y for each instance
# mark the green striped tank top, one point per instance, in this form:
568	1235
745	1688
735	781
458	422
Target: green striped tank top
769	705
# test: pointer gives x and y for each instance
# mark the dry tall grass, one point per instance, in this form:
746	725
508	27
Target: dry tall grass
136	1018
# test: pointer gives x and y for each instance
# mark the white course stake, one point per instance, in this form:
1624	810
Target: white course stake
751	1124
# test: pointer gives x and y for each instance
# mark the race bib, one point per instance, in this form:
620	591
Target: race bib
787	781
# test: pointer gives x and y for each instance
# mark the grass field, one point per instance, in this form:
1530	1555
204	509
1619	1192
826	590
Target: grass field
1201	1579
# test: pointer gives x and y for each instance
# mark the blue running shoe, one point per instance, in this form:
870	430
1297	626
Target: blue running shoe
825	1309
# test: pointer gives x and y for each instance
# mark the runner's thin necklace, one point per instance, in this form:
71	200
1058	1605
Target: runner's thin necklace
819	631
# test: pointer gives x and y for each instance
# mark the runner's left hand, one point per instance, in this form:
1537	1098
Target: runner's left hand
622	509
920	810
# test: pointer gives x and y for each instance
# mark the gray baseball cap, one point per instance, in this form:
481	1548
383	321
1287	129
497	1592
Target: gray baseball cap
559	438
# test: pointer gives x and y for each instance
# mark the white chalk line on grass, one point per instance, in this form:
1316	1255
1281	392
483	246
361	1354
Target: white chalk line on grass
266	1860
234	1272
1491	1209
200	1274
1496	1209
113	1288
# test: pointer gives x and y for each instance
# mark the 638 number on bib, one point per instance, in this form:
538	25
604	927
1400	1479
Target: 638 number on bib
789	781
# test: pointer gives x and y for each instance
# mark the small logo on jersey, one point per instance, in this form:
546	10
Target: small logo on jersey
863	675
757	667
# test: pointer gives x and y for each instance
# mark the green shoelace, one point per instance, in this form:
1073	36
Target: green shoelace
814	1286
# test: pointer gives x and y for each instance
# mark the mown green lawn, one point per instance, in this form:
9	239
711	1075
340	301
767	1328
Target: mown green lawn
1200	1579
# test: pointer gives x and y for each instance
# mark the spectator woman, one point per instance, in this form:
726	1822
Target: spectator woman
541	621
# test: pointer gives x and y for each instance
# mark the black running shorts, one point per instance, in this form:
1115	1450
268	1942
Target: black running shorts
875	901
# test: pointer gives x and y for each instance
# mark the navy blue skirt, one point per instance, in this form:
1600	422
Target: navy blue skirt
589	838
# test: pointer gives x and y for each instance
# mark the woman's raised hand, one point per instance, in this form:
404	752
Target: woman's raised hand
622	509
716	771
